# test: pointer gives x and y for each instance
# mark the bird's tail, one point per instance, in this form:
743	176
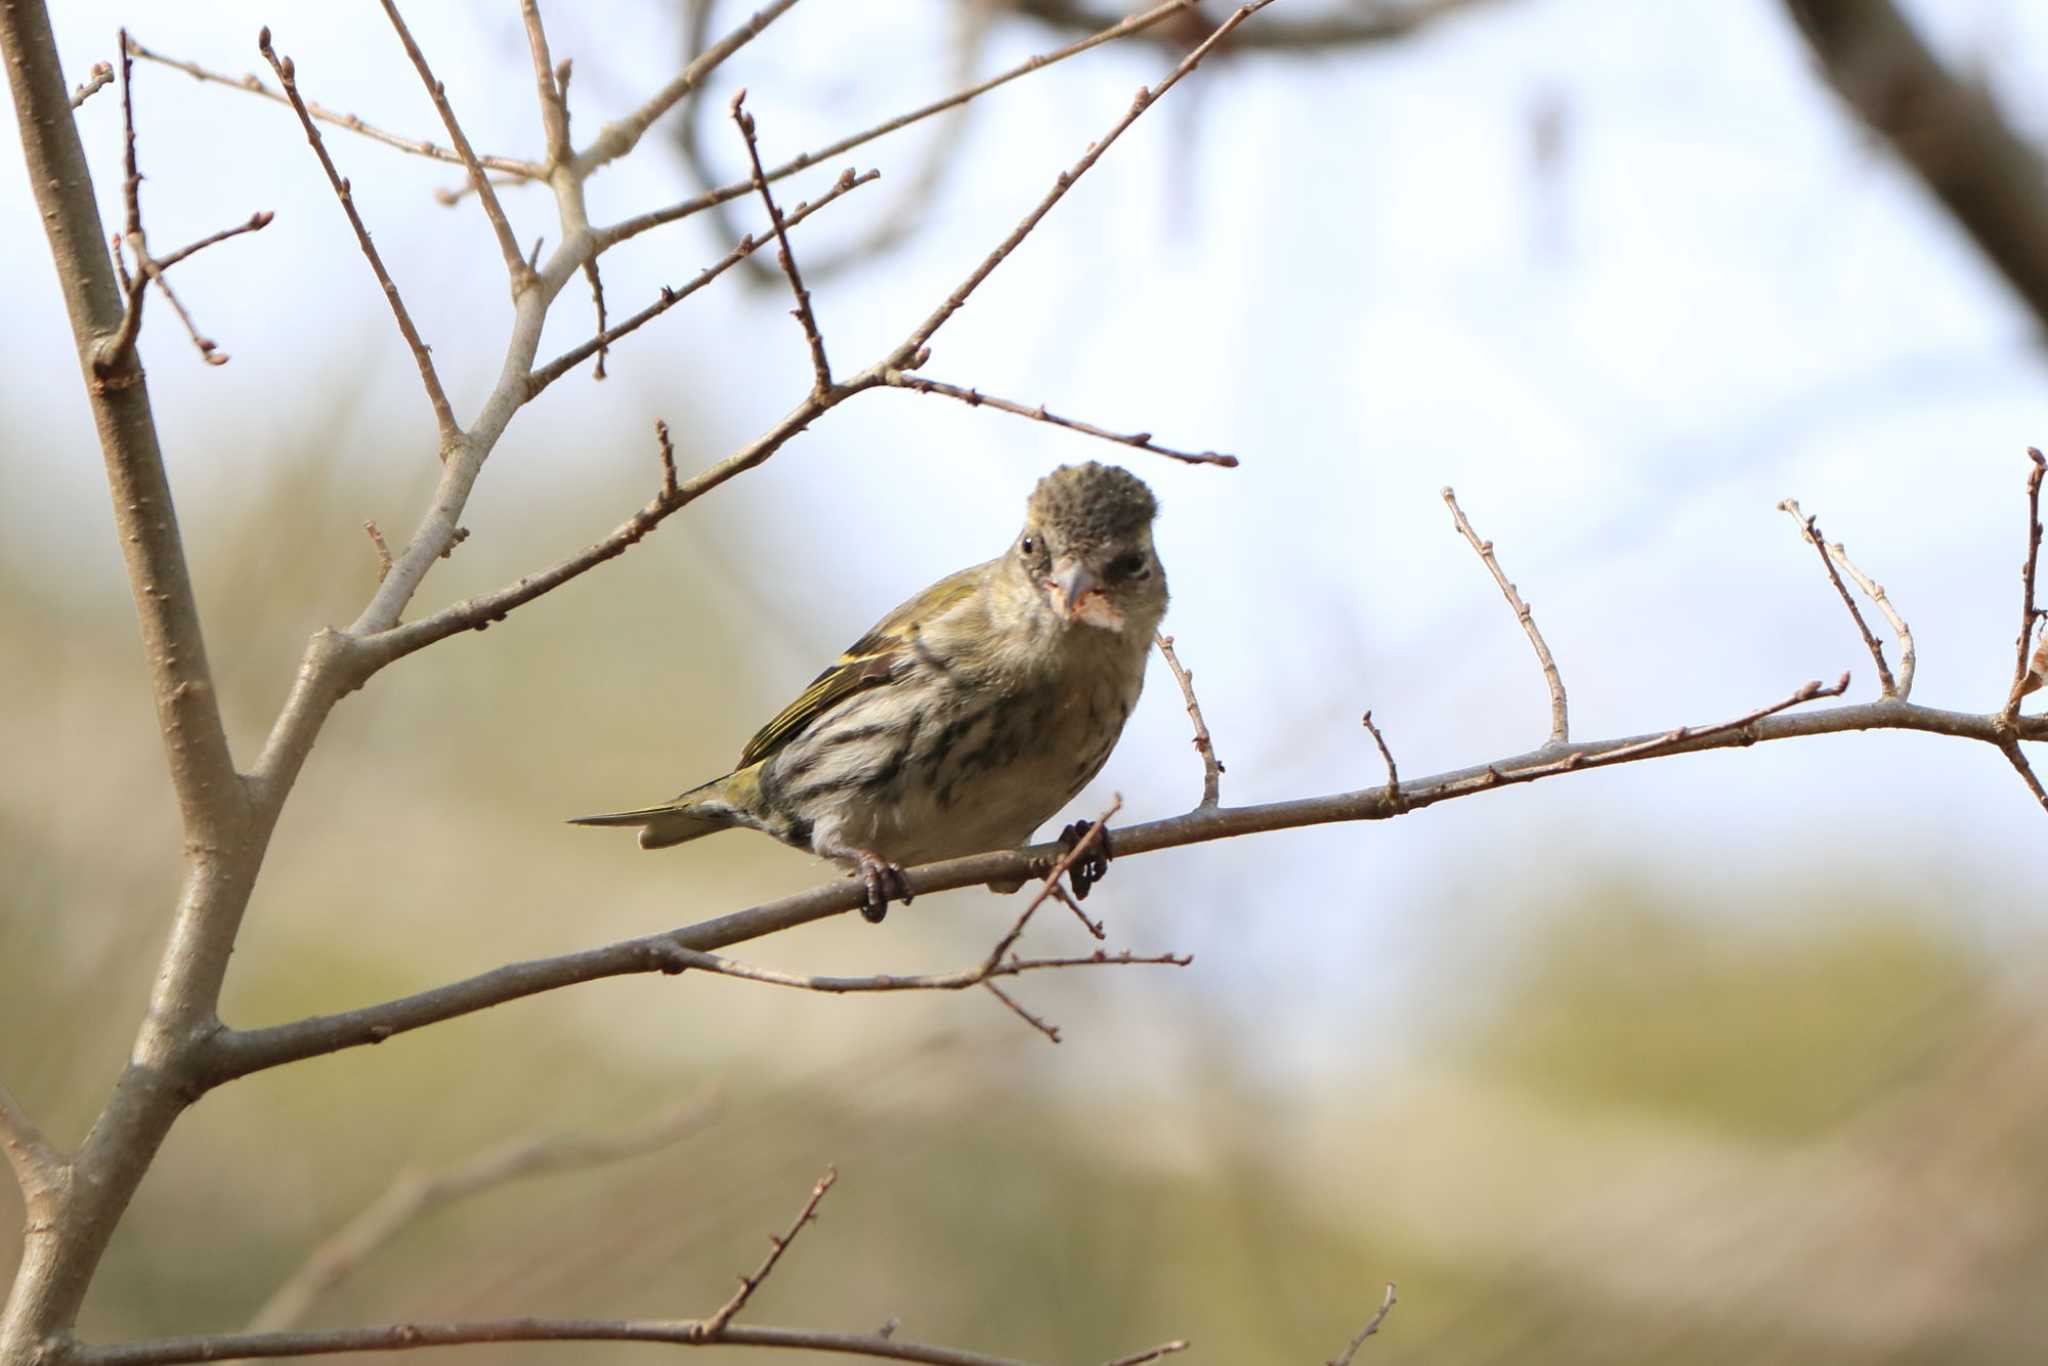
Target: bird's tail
699	812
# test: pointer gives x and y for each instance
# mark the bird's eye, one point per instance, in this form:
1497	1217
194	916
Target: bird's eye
1028	545
1131	566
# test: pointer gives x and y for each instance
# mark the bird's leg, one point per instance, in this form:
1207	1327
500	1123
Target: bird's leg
885	883
1088	869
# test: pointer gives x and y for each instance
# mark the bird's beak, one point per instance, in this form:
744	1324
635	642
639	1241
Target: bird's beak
1071	581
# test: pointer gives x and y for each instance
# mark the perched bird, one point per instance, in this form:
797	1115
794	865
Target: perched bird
968	715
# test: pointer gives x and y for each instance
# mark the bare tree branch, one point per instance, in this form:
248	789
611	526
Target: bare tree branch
821	370
37	1165
511	166
1164	1349
1874	590
1810	530
415	1195
1393	770
913	353
96	80
2017	757
894	226
515	264
240	1052
394	1337
230	818
1212	767
256	223
2029	613
725	193
214	806
715	1326
576	355
1372	1325
1946	128
619	138
974	398
554	94
1560	723
1352	26
936	981
437	398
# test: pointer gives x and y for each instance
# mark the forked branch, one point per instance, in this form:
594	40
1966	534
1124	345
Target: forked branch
1811	531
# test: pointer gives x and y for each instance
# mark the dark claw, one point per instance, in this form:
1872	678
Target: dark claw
885	883
1089	868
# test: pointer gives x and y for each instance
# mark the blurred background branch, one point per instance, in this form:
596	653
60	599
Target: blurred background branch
1946	127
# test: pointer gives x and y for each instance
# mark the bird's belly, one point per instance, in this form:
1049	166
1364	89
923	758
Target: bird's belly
986	778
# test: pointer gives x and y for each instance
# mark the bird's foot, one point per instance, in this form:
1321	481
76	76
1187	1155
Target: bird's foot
1088	869
884	882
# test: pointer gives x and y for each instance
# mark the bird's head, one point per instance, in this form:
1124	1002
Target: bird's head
1086	549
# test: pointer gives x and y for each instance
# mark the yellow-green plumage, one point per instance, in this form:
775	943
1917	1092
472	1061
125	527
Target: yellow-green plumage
967	716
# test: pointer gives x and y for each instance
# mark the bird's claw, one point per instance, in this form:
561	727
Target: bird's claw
885	883
1088	869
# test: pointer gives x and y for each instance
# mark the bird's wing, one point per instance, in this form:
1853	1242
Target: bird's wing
869	662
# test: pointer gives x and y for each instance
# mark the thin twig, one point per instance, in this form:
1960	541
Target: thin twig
1810	529
821	369
508	245
1092	837
554	104
444	416
1164	1349
1016	1007
1094	927
383	550
1874	590
576	355
1393	771
668	459
597	298
1212	767
1000	961
714	1327
256	223
977	975
1372	1325
209	350
909	354
974	398
2029	614
34	1161
415	1195
725	193
96	80
1560	721
115	350
523	171
2018	759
